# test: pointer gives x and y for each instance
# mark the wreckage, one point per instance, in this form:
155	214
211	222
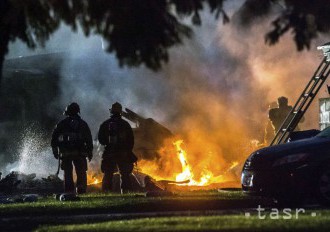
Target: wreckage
17	183
20	183
142	183
149	135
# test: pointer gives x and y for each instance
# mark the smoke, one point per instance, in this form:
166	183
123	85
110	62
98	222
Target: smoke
274	71
214	93
222	83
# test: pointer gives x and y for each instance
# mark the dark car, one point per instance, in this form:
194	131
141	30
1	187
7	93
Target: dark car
292	171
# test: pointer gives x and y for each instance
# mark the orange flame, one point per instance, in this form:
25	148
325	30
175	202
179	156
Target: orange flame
93	180
207	177
186	173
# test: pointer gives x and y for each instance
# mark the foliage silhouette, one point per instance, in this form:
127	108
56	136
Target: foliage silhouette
140	32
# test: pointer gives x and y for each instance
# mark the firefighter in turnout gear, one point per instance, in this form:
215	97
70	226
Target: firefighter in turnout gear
116	135
72	143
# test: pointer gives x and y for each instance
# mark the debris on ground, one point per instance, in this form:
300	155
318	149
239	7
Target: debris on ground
20	183
20	198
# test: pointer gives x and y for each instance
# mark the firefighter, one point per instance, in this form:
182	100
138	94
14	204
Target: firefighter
279	114
116	135
72	143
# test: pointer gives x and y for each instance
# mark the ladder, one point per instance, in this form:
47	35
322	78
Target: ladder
292	119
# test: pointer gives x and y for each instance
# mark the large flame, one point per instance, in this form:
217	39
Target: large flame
175	156
207	177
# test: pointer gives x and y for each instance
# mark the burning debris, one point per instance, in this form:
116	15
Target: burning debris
152	142
186	180
191	177
187	174
141	182
149	135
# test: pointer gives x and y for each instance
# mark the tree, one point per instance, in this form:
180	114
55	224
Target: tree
141	31
303	18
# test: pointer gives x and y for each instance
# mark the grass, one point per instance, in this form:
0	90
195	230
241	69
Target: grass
129	213
236	222
114	203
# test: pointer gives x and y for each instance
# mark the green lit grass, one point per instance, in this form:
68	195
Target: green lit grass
47	209
206	223
114	203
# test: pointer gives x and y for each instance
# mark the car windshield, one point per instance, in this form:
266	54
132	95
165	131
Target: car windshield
324	133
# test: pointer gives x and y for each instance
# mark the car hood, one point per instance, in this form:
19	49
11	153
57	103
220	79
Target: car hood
277	151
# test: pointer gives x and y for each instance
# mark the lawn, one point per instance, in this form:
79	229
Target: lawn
185	211
237	222
115	203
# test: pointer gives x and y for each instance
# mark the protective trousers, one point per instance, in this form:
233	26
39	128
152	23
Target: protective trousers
109	166
80	165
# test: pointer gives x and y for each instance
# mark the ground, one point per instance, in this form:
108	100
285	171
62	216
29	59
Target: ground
186	211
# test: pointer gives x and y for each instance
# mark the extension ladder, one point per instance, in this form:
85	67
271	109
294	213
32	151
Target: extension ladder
305	99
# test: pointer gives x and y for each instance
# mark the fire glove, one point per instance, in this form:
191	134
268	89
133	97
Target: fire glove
55	152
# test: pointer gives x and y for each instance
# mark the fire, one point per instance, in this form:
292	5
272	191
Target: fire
233	165
186	173
207	177
256	144
93	180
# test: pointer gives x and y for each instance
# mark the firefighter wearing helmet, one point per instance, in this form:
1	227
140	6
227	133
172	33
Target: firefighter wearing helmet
116	135
72	143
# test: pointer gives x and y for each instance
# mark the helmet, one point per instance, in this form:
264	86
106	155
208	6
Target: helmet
282	101
116	108
72	109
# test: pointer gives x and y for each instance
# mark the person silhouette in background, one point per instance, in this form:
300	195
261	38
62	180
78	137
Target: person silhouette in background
278	115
